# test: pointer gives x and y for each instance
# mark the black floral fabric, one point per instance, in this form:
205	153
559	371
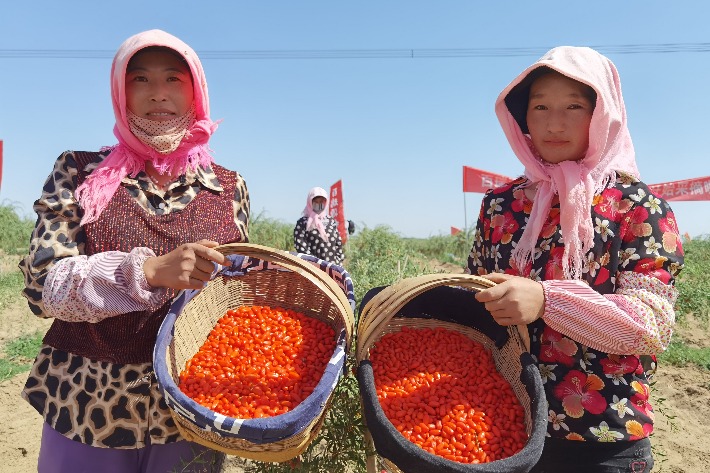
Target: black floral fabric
592	395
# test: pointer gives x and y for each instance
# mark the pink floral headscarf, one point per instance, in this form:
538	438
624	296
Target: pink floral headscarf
316	220
128	157
576	182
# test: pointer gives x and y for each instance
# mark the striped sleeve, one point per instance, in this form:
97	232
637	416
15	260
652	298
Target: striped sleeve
637	319
93	288
57	233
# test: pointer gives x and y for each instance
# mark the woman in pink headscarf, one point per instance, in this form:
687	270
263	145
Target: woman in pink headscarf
119	231
316	233
585	258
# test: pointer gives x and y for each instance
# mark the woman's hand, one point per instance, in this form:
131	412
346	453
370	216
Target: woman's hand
188	266
514	300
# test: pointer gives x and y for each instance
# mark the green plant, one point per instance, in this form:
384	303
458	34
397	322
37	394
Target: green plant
340	442
25	348
445	248
204	461
379	257
692	283
15	231
11	285
339	445
19	354
15	234
660	406
269	232
8	369
681	354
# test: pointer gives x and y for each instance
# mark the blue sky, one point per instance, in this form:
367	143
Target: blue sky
396	130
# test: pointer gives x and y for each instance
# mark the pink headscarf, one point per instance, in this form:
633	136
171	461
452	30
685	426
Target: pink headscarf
316	220
576	182
128	157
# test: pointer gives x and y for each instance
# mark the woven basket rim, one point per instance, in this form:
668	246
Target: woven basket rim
378	311
297	263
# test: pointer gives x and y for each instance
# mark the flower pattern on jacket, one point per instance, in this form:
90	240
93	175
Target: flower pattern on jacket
592	395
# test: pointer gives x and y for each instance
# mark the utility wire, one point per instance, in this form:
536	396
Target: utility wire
366	53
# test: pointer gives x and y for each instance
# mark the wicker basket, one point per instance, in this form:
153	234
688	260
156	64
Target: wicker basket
258	275
445	300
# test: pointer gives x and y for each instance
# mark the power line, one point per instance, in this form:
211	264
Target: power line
366	53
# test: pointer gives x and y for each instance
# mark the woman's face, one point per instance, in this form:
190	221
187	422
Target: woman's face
558	117
158	85
318	204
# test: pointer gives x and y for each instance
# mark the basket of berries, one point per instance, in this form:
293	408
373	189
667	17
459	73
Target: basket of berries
445	388
249	363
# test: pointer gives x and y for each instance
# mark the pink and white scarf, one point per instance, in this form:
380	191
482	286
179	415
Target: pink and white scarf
576	182
315	220
128	157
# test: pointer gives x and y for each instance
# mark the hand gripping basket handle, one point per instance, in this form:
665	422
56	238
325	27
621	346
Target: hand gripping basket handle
387	303
307	270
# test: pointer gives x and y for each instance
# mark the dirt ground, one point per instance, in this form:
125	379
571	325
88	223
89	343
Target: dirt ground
681	398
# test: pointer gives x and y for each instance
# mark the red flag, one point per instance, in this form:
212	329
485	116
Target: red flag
689	189
476	180
336	209
455	230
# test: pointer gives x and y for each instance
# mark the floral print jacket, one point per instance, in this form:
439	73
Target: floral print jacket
595	344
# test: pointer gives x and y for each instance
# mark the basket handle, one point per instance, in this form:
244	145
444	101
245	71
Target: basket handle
293	263
378	312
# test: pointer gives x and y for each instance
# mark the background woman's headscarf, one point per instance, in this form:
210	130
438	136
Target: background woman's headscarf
128	157
315	220
576	182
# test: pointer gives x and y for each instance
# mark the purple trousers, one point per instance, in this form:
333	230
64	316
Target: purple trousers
58	454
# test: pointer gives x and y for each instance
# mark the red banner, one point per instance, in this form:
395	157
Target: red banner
476	180
455	230
336	209
689	189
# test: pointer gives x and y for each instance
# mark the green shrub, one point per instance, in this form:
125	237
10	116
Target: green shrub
11	284
15	234
445	248
339	446
19	354
692	282
15	231
379	257
681	354
269	232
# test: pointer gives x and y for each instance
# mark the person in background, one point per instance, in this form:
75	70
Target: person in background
316	233
584	256
119	232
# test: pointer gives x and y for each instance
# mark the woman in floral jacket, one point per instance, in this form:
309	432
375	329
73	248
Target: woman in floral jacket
598	303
